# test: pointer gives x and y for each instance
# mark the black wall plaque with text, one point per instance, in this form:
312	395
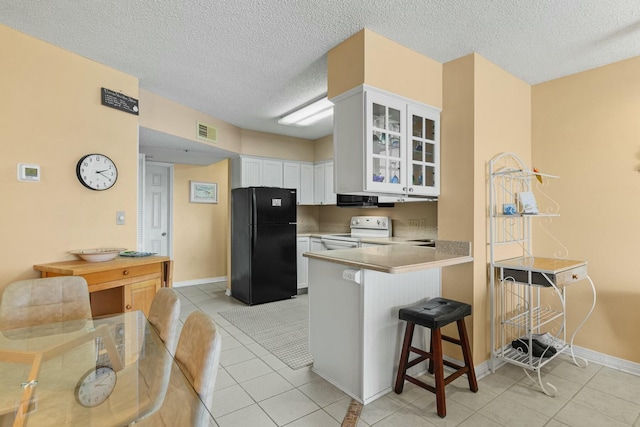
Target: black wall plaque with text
119	101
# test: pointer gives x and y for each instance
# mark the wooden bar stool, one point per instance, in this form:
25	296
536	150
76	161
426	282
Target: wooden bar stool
434	314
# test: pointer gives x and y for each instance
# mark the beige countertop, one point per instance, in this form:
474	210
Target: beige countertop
394	259
394	240
376	240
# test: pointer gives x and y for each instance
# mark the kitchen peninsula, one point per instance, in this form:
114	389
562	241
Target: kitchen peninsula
354	297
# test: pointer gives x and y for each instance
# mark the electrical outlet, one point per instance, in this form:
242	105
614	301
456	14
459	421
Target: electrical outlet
423	223
351	274
120	218
414	223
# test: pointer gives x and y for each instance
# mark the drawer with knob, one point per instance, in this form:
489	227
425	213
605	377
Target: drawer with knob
545	279
122	273
123	284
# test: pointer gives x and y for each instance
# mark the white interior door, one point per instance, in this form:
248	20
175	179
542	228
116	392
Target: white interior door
157	213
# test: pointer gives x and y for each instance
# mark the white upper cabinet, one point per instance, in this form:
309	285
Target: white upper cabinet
385	144
330	197
272	173
299	175
255	172
306	183
291	177
323	184
249	171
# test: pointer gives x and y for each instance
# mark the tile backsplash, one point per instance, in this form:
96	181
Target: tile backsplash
414	219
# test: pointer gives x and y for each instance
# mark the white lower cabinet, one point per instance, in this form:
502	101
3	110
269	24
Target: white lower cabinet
316	245
302	246
354	330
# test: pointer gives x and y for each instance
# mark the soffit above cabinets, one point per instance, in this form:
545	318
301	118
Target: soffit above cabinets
162	147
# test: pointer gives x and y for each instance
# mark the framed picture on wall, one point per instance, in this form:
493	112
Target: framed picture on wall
203	192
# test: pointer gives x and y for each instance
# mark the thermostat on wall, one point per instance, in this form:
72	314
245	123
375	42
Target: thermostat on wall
28	172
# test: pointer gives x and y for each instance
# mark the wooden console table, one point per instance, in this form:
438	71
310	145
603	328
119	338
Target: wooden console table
117	286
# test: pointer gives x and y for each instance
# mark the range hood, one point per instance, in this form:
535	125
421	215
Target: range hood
357	201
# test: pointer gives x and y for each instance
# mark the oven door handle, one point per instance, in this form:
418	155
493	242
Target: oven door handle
331	244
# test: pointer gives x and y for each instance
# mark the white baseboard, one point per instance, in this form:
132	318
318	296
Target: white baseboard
483	369
199	281
606	360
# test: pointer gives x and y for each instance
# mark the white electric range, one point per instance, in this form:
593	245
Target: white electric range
361	227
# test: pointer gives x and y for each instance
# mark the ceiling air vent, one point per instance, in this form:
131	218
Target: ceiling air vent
207	132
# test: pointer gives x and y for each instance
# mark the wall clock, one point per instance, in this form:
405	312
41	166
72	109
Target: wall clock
95	386
97	172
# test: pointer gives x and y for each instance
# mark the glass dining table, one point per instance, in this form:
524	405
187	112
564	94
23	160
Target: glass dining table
107	371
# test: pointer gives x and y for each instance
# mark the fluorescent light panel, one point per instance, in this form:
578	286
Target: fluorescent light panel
309	114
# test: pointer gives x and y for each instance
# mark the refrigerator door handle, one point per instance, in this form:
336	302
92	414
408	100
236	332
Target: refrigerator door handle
254	237
254	208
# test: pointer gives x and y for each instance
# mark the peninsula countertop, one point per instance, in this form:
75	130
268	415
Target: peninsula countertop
396	259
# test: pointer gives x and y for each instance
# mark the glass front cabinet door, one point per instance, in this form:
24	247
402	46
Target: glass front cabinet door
386	145
424	151
402	146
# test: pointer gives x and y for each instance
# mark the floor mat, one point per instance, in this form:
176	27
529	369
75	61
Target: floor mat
282	327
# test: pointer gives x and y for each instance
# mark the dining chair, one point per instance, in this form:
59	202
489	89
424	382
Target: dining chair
42	301
164	316
197	357
198	354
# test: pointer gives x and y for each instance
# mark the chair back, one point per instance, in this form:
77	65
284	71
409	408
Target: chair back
198	354
41	301
164	316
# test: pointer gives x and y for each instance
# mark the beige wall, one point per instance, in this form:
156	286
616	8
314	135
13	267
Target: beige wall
586	129
502	122
368	58
323	149
400	70
486	111
276	146
201	230
345	65
455	204
51	115
164	115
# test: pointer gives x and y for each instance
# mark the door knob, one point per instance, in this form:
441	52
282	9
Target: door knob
164	234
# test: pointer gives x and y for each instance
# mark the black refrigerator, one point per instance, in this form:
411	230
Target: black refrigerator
263	244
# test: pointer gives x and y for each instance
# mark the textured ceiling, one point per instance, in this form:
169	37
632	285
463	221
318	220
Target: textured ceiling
249	62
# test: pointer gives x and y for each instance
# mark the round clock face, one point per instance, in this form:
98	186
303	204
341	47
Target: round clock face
97	172
95	386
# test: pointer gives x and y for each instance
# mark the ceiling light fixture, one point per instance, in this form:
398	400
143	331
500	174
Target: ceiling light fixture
308	114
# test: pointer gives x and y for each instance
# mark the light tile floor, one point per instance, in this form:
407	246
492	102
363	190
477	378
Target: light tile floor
254	388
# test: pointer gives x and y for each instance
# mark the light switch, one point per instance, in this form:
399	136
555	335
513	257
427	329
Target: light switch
120	217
